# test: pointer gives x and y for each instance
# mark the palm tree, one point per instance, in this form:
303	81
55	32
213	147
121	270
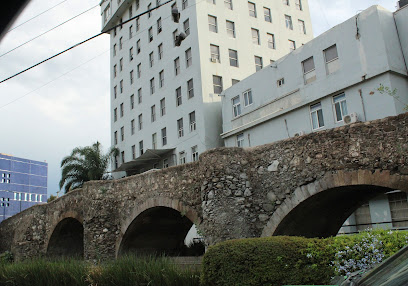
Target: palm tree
85	164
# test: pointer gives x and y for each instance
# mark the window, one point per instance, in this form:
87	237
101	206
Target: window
192	120
115	91
286	2
258	63
236	106
121	64
130	31
309	72
120	22
316	113
179	100
194	153
175	37
121	110
247	97
121	86
159	25
190	88
133	151
151	59
240	140
292	45
234	81
215	53
399	209
267	14
228	4
137	24
137	4
211	1
154	141
138	46
132	127
160	51
165	163
132	101
106	13
120	43
122	133
130	11
252	9
298	4
288	21
152	85
161	79
123	156
140	148
158	3
217	84
332	59
150	34
115	115
186	26
255	36
115	71
139	96
340	106
140	121
182	157
177	66
271	41
230	29
114	50
164	136
302	27
153	113
233	58
189	59
139	70
212	24
184	5
162	107
131	76
131	54
115	136
363	217
180	127
148	8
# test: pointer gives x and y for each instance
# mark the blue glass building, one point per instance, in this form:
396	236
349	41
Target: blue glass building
23	183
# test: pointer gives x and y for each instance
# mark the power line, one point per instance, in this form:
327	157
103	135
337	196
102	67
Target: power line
35	16
48	31
78	44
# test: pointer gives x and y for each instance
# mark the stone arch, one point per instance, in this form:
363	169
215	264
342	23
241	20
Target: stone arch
351	183
153	204
67	235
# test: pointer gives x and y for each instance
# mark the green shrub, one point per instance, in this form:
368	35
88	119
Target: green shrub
6	257
268	261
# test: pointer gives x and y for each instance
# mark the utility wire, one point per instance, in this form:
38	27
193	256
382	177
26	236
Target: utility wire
78	44
35	16
48	31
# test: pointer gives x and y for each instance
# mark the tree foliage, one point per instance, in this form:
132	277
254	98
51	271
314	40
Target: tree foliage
85	164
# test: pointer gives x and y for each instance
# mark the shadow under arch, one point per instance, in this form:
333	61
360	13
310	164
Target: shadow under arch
67	239
158	226
319	209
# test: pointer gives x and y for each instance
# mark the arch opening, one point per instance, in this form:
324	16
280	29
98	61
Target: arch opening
67	239
156	231
323	214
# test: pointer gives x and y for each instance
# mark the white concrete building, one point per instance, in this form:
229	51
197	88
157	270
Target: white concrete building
165	104
328	82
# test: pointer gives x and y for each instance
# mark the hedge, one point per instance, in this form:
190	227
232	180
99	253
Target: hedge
284	260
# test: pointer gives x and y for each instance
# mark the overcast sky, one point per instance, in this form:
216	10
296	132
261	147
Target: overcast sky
64	103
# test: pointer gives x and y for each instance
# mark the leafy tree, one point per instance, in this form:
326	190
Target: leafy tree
85	164
51	198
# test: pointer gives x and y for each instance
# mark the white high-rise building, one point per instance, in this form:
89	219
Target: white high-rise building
165	104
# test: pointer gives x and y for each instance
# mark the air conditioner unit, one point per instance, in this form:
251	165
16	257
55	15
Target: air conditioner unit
350	118
300	133
214	59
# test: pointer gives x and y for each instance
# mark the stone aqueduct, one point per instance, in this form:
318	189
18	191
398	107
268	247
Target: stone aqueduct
305	185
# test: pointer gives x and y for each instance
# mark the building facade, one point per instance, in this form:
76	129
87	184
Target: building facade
356	71
165	104
23	183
